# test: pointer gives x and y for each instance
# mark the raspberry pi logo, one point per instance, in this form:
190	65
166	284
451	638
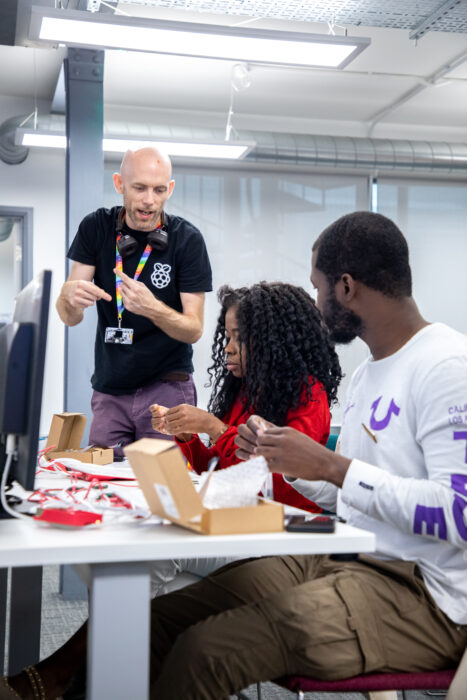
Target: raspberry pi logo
161	277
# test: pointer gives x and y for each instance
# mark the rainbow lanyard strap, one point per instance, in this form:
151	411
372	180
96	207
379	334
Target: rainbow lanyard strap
118	281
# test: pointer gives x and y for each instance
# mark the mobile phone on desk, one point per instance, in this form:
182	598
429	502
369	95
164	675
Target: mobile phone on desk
310	523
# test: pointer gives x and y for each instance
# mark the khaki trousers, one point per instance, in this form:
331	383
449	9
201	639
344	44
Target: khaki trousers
259	619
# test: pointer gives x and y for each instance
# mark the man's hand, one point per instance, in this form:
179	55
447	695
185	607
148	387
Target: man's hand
186	327
136	297
247	436
79	294
291	452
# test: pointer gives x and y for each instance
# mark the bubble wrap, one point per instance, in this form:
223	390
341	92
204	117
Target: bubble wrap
235	486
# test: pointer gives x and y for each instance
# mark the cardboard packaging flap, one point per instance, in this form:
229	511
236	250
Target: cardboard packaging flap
66	431
160	469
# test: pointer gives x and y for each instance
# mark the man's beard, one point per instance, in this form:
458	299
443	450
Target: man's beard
343	325
142	225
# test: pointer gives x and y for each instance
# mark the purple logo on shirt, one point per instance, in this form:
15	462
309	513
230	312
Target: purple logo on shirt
376	424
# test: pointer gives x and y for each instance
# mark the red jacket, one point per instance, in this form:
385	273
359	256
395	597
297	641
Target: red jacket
313	419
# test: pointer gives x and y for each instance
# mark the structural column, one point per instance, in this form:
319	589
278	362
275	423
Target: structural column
84	72
84	86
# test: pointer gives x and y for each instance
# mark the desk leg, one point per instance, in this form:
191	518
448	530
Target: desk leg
25	617
118	632
3	601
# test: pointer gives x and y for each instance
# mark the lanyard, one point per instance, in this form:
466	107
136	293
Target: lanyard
118	281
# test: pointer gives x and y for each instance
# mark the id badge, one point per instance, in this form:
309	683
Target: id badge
119	336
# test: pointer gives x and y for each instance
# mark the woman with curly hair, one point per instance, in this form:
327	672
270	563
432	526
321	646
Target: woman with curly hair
272	357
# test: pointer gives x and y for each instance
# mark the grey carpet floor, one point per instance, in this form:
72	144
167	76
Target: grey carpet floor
60	618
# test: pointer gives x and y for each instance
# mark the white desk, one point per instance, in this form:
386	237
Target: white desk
116	571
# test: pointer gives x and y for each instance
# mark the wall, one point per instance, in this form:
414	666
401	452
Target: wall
39	183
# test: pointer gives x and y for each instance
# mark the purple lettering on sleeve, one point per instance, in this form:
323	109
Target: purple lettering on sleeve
461	435
458	508
433	518
459	483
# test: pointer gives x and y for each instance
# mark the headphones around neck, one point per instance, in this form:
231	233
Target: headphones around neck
127	244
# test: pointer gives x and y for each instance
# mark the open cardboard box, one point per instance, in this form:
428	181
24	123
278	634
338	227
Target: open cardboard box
66	432
160	469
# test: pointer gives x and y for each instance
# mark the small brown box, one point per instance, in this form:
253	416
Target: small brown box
66	432
160	469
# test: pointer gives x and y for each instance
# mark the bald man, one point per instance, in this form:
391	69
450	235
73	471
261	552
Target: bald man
147	272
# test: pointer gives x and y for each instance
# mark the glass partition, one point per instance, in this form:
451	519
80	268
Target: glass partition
259	225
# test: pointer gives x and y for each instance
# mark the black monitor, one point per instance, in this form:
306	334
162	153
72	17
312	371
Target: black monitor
22	361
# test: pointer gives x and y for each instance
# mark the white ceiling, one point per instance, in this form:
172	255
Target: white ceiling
416	15
163	89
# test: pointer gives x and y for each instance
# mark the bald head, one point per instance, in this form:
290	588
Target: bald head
146	159
145	181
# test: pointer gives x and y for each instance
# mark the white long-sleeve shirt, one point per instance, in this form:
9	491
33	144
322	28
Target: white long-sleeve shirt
405	429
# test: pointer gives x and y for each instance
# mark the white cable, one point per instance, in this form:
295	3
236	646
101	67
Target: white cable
228	126
10	450
26	119
80	500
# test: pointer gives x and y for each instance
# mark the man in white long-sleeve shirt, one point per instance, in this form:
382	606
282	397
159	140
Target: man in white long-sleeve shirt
404	430
401	473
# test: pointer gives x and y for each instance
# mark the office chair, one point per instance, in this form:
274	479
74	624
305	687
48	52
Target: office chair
376	686
384	686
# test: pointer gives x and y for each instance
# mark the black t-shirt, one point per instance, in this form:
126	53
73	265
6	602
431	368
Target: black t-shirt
183	267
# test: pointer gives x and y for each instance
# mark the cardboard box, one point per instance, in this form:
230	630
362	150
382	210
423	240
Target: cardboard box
161	471
66	433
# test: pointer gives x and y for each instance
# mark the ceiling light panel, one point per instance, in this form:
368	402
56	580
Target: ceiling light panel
193	39
398	14
232	150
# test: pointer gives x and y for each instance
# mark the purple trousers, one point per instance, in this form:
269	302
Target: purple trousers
119	420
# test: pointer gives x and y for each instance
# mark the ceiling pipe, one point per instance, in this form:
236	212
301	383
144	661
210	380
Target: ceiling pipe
316	150
360	153
301	149
6	227
10	152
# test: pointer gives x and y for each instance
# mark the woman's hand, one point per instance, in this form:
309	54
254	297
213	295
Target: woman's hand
184	420
158	418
